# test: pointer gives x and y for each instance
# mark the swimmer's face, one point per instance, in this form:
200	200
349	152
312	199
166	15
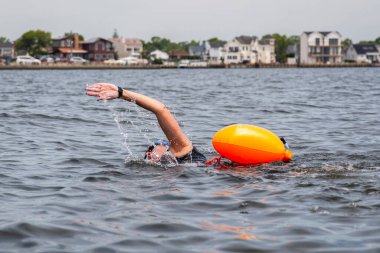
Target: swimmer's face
154	153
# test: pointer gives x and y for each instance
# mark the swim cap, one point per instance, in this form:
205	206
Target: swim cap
164	143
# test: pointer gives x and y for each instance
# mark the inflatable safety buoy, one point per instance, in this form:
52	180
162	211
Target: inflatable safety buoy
247	144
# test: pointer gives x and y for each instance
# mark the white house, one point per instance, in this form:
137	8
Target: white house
240	50
266	53
217	52
249	49
320	47
202	50
362	53
157	54
126	47
6	49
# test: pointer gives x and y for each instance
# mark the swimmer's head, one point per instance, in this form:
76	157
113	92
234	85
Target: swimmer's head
156	151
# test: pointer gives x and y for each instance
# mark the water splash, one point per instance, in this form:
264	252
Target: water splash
123	122
118	118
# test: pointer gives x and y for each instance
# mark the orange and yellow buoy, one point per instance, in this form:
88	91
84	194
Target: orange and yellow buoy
248	144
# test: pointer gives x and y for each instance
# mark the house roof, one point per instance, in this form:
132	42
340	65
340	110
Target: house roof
364	49
178	53
128	41
266	41
133	41
93	40
246	39
6	44
323	33
63	38
218	44
197	49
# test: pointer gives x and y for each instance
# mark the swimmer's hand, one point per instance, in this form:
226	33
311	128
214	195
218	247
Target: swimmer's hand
104	91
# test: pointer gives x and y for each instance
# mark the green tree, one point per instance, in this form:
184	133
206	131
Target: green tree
164	44
377	41
185	45
267	36
281	46
4	40
34	42
366	42
346	43
215	40
293	40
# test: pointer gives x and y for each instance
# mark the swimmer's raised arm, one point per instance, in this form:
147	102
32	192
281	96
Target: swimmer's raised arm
179	143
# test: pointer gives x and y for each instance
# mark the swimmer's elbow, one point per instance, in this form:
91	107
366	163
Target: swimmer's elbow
162	110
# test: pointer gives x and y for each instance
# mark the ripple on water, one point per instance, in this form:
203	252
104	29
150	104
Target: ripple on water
72	183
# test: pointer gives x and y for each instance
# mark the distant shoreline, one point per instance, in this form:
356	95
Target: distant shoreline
212	66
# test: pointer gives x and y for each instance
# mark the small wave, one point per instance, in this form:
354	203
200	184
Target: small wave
96	179
81	161
38	116
167	228
5	115
20	230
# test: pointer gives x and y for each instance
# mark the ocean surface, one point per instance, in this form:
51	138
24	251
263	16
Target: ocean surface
73	178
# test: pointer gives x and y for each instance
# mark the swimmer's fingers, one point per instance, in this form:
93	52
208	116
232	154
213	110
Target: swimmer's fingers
93	88
104	91
102	86
92	93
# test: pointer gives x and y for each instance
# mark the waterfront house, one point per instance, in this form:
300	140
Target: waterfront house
249	49
127	47
6	49
178	54
320	47
240	50
293	53
216	52
159	55
67	46
98	49
201	50
362	53
265	50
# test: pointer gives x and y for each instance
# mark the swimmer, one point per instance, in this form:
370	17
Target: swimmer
178	143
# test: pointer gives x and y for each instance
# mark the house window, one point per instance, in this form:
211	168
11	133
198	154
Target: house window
99	46
233	49
317	41
334	50
333	42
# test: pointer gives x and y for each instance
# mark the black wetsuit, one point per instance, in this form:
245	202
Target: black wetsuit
194	156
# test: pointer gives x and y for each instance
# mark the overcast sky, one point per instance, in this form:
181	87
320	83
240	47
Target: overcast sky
183	20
